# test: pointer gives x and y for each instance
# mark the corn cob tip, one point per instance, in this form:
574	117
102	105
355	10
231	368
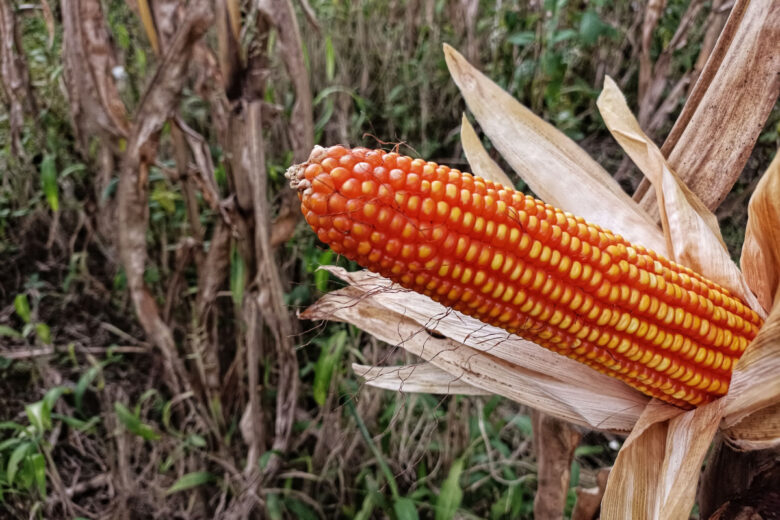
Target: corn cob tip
295	173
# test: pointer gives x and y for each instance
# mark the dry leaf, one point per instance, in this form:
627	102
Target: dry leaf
481	355
758	431
48	18
554	167
147	20
760	259
482	165
418	378
755	383
656	472
692	230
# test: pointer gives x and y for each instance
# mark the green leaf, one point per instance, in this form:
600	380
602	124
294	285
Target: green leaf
592	27
84	381
52	396
43	332
273	506
405	509
197	440
521	39
165	198
574	480
330	59
451	494
326	364
8	332
237	276
77	424
22	306
561	36
49	182
366	509
39	416
134	424
9	443
583	451
16	457
321	275
300	510
39	472
191	480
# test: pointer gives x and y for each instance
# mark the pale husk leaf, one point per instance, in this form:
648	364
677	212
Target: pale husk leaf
554	167
655	474
482	165
755	385
758	431
752	411
760	259
692	230
425	378
657	468
481	355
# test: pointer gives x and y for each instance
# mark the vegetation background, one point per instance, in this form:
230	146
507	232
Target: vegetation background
152	259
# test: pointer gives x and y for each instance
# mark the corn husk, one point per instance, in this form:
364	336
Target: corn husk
656	472
692	232
480	355
417	378
482	165
760	259
752	413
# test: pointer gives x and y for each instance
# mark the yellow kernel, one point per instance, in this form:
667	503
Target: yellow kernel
484	256
576	270
536	249
424	251
497	262
472	252
479	225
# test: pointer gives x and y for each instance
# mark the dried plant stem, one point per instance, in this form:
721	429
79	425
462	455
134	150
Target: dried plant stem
740	84
555	442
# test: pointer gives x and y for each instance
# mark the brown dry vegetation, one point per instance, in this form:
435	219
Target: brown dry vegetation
151	263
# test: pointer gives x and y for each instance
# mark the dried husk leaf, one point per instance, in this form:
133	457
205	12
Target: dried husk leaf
758	431
755	385
657	468
656	472
481	355
482	165
417	378
554	167
760	259
692	230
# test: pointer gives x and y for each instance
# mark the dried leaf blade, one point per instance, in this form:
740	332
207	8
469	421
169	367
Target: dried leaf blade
548	161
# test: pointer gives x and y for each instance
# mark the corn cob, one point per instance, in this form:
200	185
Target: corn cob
536	271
